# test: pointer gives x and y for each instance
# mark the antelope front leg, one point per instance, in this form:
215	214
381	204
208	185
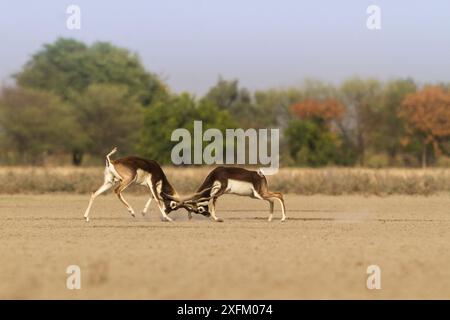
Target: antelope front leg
164	214
147	205
160	206
216	191
212	210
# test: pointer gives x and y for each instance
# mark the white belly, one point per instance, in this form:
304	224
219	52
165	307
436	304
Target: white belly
142	177
240	188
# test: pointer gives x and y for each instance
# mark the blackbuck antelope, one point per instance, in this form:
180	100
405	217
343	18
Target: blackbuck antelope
230	180
126	171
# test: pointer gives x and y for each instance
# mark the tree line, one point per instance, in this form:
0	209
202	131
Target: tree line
77	100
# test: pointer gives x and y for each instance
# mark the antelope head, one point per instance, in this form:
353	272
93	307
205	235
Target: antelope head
196	203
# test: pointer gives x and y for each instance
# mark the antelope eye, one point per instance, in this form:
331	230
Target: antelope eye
173	204
201	209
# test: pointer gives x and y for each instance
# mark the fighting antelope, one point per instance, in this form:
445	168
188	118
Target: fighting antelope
126	171
230	180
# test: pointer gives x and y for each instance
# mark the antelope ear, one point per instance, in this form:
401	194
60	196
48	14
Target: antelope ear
173	204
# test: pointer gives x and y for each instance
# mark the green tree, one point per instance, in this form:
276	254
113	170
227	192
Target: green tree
391	132
362	99
67	67
311	144
173	112
108	117
227	95
312	136
36	123
272	107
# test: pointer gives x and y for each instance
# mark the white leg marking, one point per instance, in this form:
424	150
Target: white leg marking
212	208
147	205
160	206
106	185
282	210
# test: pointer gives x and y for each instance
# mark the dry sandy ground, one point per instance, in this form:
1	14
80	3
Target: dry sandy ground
322	251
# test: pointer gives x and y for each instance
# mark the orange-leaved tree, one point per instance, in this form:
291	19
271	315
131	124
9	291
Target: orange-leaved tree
427	114
326	110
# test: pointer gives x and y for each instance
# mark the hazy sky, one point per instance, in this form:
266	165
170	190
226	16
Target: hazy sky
262	43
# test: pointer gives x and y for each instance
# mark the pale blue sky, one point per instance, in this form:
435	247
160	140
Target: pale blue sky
262	43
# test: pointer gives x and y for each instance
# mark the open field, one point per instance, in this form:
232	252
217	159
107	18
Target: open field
322	251
328	181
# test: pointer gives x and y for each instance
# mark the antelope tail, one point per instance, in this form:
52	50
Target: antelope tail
108	160
261	173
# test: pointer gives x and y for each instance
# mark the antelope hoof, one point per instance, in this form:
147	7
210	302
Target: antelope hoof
132	214
270	219
283	219
167	219
87	219
143	213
